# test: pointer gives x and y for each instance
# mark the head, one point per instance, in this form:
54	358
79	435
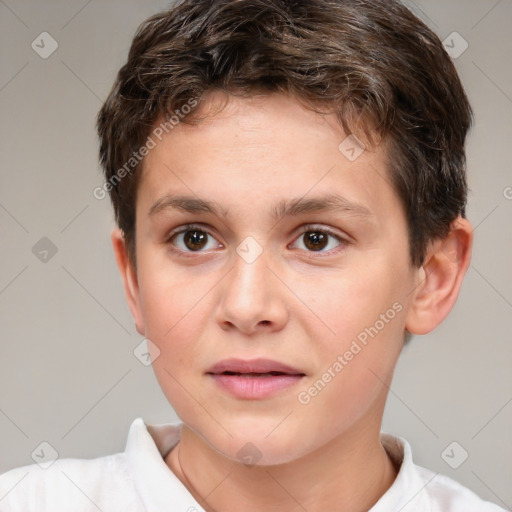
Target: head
227	141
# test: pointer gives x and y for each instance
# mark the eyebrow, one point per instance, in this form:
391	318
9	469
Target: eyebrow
284	208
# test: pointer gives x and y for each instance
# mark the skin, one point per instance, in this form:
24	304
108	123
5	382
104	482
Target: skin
292	304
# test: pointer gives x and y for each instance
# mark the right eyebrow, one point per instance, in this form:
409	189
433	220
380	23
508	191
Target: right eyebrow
187	204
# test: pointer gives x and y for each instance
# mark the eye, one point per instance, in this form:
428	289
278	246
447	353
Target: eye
192	239
315	239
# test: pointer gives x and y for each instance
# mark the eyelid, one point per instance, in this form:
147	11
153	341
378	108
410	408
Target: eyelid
325	229
342	239
183	229
187	227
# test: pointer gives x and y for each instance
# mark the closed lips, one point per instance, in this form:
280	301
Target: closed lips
255	379
252	368
253	374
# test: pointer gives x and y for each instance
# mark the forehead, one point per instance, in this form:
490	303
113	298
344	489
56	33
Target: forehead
266	148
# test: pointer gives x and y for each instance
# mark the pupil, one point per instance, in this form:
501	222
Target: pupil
316	240
195	239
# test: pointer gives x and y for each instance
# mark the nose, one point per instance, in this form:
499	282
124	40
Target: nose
253	299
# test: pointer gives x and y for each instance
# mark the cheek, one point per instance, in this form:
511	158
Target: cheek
350	301
364	311
356	368
173	306
174	319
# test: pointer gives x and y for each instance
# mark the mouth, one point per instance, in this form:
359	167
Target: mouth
254	379
254	374
253	367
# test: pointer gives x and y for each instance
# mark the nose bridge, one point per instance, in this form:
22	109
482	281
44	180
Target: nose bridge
249	274
250	294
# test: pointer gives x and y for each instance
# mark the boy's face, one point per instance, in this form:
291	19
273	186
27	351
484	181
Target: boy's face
291	292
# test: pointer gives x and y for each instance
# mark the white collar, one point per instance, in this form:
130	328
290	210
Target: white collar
159	487
408	492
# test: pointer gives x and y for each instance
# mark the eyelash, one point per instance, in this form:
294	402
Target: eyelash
307	228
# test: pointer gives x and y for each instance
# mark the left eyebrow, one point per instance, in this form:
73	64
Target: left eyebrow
284	208
330	202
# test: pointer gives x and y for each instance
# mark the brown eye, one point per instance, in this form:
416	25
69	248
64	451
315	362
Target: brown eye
320	240
315	240
195	240
192	239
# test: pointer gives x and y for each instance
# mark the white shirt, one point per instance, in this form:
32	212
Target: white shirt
139	480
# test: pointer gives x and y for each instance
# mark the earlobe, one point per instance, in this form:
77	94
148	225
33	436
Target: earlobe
129	277
439	280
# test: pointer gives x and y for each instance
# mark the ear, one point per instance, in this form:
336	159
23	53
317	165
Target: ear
440	278
129	277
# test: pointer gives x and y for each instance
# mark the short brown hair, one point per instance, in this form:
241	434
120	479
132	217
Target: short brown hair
372	62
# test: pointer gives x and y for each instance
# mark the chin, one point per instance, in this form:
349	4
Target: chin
261	442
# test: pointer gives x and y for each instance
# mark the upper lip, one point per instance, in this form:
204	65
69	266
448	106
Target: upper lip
252	366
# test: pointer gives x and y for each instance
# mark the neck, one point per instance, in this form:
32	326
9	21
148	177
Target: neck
349	473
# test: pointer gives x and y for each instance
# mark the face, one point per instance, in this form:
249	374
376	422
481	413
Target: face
259	237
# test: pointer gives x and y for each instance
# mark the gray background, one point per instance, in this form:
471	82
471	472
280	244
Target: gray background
68	374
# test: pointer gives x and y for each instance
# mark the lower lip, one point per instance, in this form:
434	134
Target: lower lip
254	388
